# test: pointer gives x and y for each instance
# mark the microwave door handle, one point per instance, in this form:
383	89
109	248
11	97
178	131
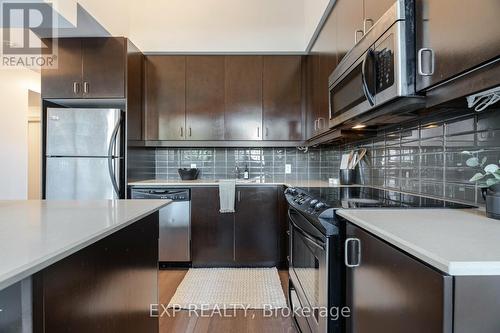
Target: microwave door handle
366	90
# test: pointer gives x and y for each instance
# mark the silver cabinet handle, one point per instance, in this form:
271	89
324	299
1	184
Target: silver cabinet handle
190	132
258	131
365	21
239	196
356	33
316	125
76	87
86	87
321	123
420	61
346	252
182	132
267	132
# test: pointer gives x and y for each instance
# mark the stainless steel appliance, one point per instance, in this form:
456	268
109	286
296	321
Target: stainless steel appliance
317	241
379	69
84	154
175	222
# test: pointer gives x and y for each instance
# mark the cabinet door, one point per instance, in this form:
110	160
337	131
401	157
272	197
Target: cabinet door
461	34
165	97
374	9
205	97
212	233
243	113
257	226
104	67
409	296
312	101
349	23
65	81
282	91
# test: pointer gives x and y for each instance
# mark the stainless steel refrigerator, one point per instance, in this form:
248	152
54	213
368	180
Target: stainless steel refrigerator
84	154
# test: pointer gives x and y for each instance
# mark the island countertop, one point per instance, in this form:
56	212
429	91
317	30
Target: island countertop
35	234
457	242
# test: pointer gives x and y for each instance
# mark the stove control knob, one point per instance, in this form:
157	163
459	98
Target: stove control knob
292	191
319	206
313	203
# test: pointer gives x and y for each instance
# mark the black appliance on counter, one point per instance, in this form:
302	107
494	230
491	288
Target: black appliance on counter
317	240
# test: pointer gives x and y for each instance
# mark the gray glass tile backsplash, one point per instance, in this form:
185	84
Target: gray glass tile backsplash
427	158
421	158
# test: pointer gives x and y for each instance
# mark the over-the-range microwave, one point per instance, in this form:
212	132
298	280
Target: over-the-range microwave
377	76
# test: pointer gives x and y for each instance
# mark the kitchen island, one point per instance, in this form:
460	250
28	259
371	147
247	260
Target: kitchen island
90	266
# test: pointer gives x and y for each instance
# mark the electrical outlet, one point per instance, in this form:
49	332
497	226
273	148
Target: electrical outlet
288	168
193	165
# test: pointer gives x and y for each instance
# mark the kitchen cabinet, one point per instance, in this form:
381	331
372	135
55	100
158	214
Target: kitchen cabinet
212	233
87	68
253	236
373	11
384	282
282	98
454	36
66	79
243	93
349	24
205	97
256	228
165	97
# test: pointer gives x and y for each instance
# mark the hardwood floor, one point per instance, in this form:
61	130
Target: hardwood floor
231	322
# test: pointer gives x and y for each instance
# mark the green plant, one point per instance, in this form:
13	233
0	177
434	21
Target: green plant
487	174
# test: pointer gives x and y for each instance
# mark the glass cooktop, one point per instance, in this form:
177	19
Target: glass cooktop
368	197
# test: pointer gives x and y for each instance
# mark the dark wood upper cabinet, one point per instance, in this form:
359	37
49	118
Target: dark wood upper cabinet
312	96
87	68
103	67
205	97
349	24
243	105
165	97
374	9
455	41
282	98
135	74
66	79
212	233
257	228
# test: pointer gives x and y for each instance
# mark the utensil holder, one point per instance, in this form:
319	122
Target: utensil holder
347	176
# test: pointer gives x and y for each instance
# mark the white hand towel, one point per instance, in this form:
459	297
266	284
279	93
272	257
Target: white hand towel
227	192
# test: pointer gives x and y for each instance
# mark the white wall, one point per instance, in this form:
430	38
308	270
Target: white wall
14	87
211	25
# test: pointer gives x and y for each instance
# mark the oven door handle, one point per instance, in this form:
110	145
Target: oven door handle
304	234
366	89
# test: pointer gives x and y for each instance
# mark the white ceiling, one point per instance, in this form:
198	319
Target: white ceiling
211	25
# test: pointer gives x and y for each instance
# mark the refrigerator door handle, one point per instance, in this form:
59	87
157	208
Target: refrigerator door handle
112	144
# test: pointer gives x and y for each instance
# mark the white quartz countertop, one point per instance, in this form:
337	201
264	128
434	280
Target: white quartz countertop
457	242
35	234
208	182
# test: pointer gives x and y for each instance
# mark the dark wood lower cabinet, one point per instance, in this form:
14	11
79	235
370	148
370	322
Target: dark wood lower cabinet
106	287
253	236
256	228
212	233
390	292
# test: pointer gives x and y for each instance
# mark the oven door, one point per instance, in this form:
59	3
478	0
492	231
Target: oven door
309	271
354	92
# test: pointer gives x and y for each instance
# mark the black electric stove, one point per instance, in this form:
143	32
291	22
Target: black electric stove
317	240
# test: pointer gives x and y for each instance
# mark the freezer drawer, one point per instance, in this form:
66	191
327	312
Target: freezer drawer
81	178
175	237
83	132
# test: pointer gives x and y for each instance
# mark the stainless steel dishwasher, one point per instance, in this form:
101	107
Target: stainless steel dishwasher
175	222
